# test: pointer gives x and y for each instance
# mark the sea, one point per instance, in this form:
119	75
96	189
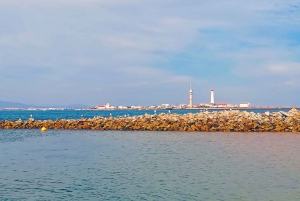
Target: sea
145	165
78	114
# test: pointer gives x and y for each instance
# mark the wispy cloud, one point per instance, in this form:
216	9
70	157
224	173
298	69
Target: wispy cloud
285	68
79	47
293	83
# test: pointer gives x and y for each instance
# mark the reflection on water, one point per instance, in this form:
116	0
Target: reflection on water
116	165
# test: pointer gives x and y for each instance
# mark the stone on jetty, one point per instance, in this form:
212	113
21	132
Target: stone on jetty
222	121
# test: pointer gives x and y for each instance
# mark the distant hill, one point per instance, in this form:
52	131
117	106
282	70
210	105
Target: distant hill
5	104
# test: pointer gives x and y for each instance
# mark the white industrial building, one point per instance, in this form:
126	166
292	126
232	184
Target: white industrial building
165	105
244	104
212	97
122	107
223	104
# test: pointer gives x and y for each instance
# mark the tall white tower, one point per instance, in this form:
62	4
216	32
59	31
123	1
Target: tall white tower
191	96
212	97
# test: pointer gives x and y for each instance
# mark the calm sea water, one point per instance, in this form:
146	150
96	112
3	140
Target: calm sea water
121	165
77	114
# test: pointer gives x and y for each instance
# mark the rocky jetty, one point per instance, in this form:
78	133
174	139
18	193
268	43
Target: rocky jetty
222	121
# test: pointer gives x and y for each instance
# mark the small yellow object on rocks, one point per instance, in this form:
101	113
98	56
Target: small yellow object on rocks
43	129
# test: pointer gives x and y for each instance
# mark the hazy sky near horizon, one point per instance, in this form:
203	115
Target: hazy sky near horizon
132	52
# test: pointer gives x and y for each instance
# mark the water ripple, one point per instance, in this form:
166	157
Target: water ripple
114	165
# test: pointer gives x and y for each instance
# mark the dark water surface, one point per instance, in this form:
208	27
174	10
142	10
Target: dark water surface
121	165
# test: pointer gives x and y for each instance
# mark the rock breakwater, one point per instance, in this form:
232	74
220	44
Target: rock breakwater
222	121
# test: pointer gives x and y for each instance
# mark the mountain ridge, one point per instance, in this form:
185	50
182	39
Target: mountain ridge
8	104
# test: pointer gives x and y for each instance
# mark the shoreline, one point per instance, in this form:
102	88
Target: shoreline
220	121
267	108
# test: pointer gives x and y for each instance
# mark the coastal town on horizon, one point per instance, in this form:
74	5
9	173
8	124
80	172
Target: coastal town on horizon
202	106
212	105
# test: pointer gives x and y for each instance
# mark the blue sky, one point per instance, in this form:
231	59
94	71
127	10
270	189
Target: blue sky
130	52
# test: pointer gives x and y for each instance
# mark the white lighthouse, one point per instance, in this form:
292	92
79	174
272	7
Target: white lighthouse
191	96
212	97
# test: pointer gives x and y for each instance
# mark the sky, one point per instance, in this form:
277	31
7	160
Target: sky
133	52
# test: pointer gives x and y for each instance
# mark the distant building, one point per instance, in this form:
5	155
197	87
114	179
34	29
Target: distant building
244	104
104	107
182	106
136	107
100	107
222	104
122	107
165	105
